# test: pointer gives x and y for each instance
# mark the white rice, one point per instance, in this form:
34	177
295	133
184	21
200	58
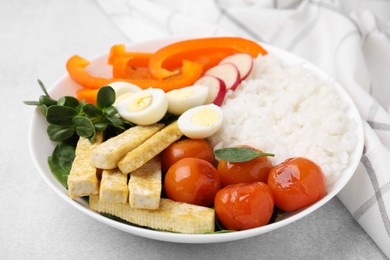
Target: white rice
286	110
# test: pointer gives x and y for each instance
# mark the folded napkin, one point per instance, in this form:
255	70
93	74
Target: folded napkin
350	40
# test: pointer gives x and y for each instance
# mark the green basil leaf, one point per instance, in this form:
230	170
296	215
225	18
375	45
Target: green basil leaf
60	162
84	126
91	110
60	115
105	97
59	133
239	154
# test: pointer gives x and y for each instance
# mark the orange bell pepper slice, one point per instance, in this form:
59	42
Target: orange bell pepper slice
119	67
123	68
127	67
190	72
208	57
138	58
187	49
129	64
87	94
76	69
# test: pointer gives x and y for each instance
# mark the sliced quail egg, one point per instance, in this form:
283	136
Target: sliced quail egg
201	122
180	100
123	89
145	107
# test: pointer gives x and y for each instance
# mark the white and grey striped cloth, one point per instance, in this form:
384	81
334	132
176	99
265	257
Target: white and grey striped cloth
349	39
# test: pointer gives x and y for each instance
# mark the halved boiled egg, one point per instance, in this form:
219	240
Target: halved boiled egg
123	89
201	122
180	100
145	107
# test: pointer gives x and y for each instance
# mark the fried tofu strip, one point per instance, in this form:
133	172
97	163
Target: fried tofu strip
82	179
145	185
171	216
109	153
113	186
150	148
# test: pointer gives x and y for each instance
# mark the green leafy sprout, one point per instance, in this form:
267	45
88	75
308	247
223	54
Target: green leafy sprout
68	117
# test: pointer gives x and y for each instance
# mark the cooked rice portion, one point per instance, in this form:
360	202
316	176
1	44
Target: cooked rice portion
286	110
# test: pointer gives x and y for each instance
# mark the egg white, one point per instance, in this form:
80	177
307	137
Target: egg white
180	100
201	121
123	89
145	107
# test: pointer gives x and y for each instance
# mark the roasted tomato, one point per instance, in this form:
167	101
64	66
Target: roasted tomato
244	205
192	180
186	148
296	183
244	172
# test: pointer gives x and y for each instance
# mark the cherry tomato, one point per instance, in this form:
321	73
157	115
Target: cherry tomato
192	180
244	205
185	148
244	172
296	183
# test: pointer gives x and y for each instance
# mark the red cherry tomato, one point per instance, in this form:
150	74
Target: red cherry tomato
244	172
296	183
244	205
186	148
192	180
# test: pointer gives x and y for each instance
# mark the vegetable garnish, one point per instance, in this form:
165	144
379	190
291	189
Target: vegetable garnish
87	94
119	50
171	67
239	154
253	170
76	68
141	76
60	162
68	117
188	49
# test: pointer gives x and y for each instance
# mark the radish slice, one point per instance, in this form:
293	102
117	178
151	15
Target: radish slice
243	62
217	89
228	73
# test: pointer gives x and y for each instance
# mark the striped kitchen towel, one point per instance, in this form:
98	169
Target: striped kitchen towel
349	39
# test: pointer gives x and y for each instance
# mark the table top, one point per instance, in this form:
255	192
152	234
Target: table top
37	37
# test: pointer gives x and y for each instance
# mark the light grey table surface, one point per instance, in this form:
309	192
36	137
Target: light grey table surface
36	39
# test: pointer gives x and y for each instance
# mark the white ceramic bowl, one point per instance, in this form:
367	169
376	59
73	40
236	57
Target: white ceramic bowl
41	147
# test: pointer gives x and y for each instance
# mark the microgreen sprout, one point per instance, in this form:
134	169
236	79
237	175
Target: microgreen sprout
68	117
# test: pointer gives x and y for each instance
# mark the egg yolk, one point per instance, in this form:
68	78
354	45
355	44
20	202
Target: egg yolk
205	117
141	102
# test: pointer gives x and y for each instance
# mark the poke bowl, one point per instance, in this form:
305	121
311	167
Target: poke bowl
41	147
